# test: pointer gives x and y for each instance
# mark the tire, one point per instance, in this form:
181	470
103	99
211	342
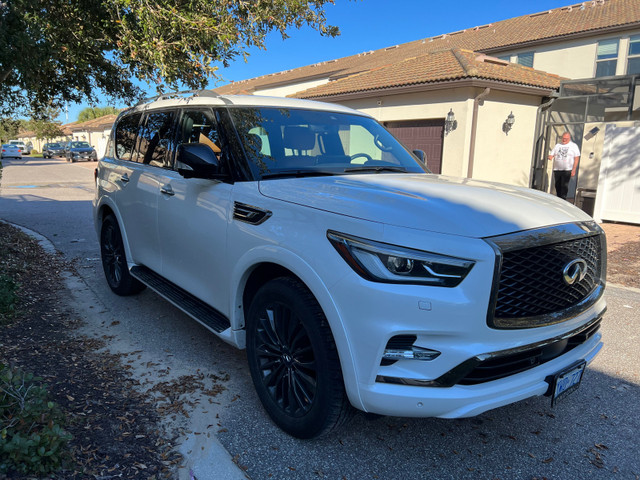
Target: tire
293	360
114	260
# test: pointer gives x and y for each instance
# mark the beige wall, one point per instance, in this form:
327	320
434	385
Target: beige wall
498	157
502	157
575	59
427	106
285	90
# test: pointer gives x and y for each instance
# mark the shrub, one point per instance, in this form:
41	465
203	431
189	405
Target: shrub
32	439
8	298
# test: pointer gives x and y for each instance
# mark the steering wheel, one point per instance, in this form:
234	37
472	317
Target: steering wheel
367	157
378	143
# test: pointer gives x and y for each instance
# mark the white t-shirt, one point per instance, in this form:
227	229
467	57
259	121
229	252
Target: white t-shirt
564	156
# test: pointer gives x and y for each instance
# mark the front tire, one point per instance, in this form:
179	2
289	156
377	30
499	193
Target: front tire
114	260
293	360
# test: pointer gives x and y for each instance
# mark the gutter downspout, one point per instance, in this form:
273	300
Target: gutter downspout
474	128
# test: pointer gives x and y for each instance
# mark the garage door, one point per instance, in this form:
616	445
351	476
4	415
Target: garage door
425	135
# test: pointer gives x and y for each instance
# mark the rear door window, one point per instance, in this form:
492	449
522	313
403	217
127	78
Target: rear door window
125	137
156	139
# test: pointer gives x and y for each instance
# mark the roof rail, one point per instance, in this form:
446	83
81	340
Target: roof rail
167	96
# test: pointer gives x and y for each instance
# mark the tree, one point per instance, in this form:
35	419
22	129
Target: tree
9	128
57	51
96	112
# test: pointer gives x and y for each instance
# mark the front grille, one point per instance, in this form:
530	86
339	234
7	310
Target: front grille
531	290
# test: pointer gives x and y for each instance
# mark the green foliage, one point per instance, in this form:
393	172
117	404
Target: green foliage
43	123
32	439
96	112
9	128
57	51
8	298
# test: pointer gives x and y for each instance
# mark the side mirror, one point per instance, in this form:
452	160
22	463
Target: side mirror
421	155
196	160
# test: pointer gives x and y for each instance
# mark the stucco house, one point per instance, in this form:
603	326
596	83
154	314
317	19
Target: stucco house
95	131
489	102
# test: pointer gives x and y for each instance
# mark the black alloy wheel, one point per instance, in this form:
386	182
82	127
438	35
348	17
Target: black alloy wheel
114	260
293	360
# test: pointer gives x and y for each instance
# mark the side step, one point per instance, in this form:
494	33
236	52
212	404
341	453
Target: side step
182	299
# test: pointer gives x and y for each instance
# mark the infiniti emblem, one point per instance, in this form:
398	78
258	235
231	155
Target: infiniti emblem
574	271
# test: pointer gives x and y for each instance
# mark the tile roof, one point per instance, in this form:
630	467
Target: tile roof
94	123
587	18
446	65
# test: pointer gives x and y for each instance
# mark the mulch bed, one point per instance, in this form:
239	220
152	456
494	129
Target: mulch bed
114	426
624	265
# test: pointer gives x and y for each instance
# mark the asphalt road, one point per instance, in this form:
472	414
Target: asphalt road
593	433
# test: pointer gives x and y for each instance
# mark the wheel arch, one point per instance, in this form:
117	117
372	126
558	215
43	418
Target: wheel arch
262	265
104	209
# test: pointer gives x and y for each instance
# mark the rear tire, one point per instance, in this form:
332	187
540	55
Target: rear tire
114	260
293	360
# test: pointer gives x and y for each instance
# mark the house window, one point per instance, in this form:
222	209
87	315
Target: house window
607	58
525	59
633	59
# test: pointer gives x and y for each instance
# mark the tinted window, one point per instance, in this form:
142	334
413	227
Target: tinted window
125	138
156	139
280	139
199	126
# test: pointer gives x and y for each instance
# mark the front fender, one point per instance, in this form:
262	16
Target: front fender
295	264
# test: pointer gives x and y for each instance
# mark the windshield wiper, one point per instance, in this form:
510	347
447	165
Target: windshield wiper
377	169
298	174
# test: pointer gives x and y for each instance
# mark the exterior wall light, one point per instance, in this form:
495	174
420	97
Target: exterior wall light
450	124
508	123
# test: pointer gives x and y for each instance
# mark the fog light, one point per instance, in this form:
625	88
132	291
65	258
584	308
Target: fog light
415	353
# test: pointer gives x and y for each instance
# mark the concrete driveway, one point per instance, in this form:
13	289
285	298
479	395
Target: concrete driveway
591	434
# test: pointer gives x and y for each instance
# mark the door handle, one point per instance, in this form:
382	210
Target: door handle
124	178
167	190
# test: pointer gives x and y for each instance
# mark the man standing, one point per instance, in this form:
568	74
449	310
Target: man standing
565	157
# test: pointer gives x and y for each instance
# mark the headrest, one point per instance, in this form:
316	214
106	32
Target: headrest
299	138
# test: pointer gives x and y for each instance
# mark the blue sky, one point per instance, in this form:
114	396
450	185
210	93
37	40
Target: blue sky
368	25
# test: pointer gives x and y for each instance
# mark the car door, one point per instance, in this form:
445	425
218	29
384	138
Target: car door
136	192
193	216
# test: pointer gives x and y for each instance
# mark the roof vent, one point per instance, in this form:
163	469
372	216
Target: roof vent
392	48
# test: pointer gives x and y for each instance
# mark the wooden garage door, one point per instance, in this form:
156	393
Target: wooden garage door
425	135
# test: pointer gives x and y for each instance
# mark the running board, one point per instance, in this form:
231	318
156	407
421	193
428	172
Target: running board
182	299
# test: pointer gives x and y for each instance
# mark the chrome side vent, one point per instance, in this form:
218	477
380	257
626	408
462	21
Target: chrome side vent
250	214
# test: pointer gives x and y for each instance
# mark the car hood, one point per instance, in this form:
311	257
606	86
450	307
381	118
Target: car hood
436	203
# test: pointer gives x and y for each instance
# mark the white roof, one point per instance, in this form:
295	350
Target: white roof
209	98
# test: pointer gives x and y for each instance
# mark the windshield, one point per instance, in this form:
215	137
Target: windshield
80	145
54	145
280	142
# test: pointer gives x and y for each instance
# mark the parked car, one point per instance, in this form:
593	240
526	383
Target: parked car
26	148
50	150
75	151
9	150
307	234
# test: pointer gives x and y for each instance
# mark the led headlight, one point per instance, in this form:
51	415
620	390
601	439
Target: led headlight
382	262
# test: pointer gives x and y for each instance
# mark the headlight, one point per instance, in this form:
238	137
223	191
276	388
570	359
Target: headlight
382	262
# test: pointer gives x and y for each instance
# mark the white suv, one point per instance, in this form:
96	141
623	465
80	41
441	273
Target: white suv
305	233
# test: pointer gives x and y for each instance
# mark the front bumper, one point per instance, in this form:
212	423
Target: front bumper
469	400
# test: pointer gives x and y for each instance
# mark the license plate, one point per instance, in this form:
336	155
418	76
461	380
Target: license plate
567	382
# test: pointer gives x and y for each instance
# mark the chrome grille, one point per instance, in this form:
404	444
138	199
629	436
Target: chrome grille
531	290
